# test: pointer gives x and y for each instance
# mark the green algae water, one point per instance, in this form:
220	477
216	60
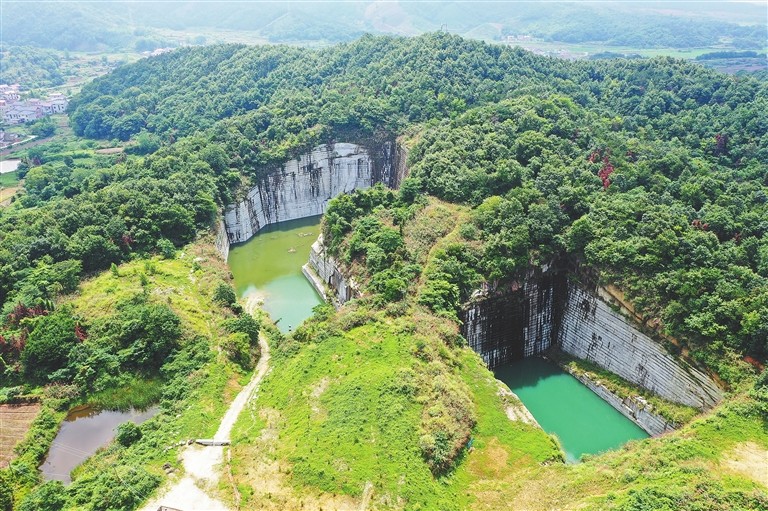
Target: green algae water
561	404
269	267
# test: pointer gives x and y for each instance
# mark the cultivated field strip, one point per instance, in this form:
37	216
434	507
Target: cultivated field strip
14	423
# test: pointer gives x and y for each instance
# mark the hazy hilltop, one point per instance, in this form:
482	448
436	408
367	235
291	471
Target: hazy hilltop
143	25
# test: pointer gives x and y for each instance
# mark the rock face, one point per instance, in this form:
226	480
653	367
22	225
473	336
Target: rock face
222	240
303	187
634	408
549	309
515	322
592	330
324	273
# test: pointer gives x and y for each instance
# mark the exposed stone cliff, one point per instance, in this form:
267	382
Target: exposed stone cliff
303	187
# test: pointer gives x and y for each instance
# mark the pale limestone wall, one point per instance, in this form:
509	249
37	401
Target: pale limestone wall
591	330
324	273
302	188
222	240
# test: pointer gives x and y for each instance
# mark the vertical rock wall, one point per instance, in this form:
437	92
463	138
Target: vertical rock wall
633	408
514	322
303	187
592	331
547	308
400	167
222	240
323	272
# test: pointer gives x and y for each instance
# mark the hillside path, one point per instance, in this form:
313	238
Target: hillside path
201	462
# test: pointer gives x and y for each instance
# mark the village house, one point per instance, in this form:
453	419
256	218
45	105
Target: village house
10	93
15	111
18	113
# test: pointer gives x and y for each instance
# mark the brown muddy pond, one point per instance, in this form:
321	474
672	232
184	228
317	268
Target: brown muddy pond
83	432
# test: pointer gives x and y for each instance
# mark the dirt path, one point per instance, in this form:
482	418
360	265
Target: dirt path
24	145
201	463
225	428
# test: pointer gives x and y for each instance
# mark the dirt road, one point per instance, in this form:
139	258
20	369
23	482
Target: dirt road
202	464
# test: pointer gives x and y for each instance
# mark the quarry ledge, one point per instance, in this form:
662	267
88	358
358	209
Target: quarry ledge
631	405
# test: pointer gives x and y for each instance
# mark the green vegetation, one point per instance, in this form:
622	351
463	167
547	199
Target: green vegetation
121	24
387	403
650	172
134	341
715	55
34	67
9	178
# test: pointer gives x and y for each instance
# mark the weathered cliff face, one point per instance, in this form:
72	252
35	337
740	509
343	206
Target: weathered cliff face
514	322
326	276
222	240
634	408
548	309
592	330
303	187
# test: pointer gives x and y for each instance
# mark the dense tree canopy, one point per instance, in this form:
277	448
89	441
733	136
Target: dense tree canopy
651	171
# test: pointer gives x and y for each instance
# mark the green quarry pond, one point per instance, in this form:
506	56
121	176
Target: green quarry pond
584	423
269	267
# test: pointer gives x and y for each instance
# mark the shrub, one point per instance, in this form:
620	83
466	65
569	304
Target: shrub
49	344
127	434
224	295
244	324
144	334
238	348
441	296
447	423
6	492
166	248
50	496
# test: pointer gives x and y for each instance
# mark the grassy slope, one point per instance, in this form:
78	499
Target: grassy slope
338	417
9	179
329	420
186	285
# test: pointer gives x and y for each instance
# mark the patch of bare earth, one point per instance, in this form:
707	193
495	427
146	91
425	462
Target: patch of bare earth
15	421
269	478
493	481
514	408
501	480
749	460
6	194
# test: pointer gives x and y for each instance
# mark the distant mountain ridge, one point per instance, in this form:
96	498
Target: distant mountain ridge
121	25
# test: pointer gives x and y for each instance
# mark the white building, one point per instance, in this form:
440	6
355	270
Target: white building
18	113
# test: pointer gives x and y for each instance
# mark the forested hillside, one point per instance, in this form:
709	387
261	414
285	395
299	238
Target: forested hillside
35	67
653	174
653	171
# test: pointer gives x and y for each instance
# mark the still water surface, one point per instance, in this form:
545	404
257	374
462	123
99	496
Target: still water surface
82	433
584	423
269	265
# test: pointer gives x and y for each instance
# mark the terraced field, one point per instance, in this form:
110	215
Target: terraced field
14	423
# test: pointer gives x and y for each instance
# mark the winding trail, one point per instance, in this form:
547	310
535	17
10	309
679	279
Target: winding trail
190	493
